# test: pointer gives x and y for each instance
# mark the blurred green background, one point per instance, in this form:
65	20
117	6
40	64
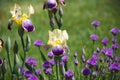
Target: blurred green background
77	18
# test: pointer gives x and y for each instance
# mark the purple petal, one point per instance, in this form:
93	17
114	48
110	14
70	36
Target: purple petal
27	25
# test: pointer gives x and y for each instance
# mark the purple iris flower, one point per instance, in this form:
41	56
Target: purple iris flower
92	61
114	31
115	46
95	23
27	25
105	41
33	77
114	67
38	43
57	50
50	55
94	37
65	58
69	74
109	52
46	64
52	62
38	71
48	71
1	62
114	40
31	62
86	71
50	4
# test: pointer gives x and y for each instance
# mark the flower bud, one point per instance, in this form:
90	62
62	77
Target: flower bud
57	50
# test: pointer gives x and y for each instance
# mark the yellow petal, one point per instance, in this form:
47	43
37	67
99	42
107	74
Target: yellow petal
31	9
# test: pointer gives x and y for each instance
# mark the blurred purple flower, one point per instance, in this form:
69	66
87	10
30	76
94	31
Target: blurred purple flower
50	4
32	77
75	54
115	46
100	59
27	73
95	73
95	23
94	37
114	40
46	64
65	58
76	61
38	43
1	62
109	52
114	67
31	62
115	31
52	62
38	71
117	59
105	41
92	61
103	70
50	55
103	50
57	50
69	74
62	63
86	71
48	71
27	25
83	58
62	2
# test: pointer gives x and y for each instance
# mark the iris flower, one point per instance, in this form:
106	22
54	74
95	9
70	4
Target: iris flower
1	44
58	37
21	19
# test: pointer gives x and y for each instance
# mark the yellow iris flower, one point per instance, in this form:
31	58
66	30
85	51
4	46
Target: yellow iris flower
18	16
58	37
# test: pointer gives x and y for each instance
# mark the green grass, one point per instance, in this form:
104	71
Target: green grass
77	18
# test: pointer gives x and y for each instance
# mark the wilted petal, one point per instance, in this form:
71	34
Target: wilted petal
27	25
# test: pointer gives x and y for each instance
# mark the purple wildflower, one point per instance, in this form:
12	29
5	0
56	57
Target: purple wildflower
95	73
38	71
94	37
114	40
48	71
83	58
31	61
92	61
52	62
50	55
33	77
114	67
109	52
62	63
75	54
27	25
38	43
95	23
46	64
114	31
103	50
105	41
103	70
69	74
86	71
76	61
57	50
117	59
27	73
115	46
65	58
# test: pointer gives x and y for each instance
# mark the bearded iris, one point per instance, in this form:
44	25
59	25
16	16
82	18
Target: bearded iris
21	19
58	37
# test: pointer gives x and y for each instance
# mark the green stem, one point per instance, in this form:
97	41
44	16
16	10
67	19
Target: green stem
42	55
57	69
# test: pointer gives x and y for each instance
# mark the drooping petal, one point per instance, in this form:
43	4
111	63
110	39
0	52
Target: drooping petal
27	25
